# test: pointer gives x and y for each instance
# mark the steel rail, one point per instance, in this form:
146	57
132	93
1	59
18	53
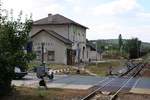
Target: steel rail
128	71
98	89
113	96
93	92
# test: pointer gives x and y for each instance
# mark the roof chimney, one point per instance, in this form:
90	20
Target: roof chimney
50	17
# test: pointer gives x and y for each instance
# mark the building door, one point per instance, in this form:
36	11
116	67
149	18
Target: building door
70	57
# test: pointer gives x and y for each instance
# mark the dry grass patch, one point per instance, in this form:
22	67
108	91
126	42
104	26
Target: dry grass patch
21	93
130	96
103	67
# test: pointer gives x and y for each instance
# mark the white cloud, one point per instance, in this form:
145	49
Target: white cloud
127	17
77	9
39	8
115	7
53	8
74	1
143	14
112	31
43	11
143	29
106	28
18	5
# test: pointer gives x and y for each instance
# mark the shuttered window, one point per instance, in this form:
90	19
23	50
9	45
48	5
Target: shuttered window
51	55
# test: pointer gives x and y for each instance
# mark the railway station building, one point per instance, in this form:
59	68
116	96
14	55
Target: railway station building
64	40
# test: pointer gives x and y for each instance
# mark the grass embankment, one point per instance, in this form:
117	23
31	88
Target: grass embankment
103	67
20	93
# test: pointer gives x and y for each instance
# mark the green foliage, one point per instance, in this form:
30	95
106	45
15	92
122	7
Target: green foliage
145	49
114	54
109	48
133	47
105	45
120	42
13	39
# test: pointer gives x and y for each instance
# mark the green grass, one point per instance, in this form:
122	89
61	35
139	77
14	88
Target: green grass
32	65
102	68
147	58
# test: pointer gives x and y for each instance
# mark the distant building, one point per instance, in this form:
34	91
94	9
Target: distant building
93	55
64	40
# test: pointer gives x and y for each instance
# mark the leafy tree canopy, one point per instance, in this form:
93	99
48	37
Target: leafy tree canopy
14	35
133	47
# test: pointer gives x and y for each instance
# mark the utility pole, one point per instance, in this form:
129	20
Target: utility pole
96	53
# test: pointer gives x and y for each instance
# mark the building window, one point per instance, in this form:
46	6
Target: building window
38	55
51	55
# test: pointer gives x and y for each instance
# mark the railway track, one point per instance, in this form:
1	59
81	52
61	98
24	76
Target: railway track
135	72
106	86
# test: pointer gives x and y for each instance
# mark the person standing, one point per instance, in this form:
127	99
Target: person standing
43	83
110	70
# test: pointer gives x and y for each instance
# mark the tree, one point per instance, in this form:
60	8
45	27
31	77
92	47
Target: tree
133	48
13	40
120	42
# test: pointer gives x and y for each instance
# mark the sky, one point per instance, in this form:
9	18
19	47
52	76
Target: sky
106	19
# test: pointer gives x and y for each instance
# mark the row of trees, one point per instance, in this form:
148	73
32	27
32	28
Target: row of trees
13	40
126	48
130	46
